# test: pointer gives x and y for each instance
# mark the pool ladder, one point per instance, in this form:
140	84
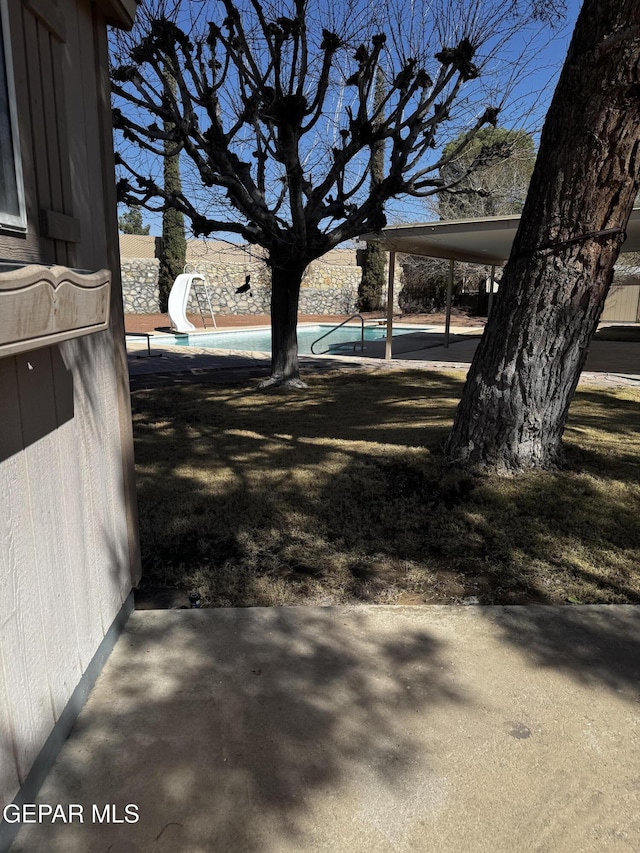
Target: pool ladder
200	290
335	328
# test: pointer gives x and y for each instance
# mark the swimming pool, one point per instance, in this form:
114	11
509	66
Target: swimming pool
340	341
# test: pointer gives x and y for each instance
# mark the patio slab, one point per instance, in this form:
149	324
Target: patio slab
359	729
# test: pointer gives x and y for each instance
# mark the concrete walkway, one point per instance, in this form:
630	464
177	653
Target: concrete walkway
360	729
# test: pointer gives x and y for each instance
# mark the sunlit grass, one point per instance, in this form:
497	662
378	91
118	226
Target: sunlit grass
338	494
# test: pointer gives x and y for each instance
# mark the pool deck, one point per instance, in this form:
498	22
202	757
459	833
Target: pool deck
608	363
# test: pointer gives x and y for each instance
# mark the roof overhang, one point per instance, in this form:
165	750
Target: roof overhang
479	241
119	13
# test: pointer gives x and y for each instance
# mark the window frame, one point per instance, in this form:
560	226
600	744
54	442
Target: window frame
9	221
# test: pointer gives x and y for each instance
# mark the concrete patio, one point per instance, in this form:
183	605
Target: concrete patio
359	729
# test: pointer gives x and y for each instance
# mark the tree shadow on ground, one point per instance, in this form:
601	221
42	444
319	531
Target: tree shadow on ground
593	645
591	409
226	478
225	731
319	728
339	494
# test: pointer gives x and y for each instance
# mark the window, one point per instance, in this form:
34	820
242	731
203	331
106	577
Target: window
12	208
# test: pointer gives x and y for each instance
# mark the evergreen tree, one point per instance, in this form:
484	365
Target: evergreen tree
131	222
173	256
489	176
371	287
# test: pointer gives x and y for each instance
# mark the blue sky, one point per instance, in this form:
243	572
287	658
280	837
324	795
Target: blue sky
527	106
549	63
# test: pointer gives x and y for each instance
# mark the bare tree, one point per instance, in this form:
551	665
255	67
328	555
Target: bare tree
425	283
274	115
516	399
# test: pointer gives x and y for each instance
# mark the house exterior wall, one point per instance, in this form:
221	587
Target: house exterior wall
623	304
68	525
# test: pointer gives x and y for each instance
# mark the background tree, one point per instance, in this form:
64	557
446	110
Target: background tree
273	113
173	254
517	395
371	287
131	222
425	282
488	177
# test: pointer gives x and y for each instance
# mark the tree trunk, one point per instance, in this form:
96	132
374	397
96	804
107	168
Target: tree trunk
285	294
515	402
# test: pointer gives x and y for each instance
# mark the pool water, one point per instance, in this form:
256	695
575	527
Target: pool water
340	340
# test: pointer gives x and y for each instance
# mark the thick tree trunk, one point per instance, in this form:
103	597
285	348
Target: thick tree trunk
285	294
515	402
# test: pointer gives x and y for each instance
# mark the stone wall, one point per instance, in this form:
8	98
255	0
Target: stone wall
326	288
330	284
140	285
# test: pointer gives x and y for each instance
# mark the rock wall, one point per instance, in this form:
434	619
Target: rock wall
140	285
326	288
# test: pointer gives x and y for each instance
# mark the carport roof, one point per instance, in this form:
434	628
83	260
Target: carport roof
480	241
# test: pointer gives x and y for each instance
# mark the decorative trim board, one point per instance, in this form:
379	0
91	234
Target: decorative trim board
40	306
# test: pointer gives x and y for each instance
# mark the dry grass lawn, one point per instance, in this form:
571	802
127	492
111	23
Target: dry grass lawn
337	494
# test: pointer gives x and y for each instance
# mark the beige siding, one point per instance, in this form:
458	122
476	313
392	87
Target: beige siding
623	304
68	538
22	638
50	570
80	62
